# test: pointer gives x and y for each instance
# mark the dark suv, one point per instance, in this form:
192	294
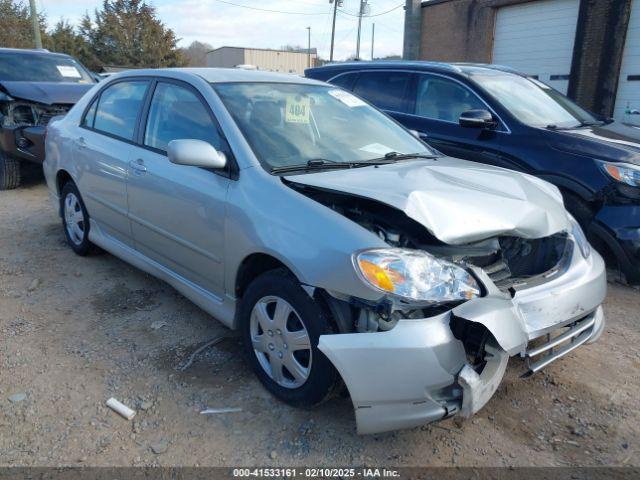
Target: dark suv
494	115
35	85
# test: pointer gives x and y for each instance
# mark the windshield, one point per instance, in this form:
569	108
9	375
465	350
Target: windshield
532	102
34	67
293	124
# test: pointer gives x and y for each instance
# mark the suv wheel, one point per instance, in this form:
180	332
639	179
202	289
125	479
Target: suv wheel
9	172
75	219
281	325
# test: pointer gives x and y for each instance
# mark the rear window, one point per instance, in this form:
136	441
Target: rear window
36	67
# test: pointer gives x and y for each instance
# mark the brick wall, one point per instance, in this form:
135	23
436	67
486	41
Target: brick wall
597	53
459	30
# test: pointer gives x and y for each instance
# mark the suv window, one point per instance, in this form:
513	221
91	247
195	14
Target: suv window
177	113
386	90
118	108
345	80
444	99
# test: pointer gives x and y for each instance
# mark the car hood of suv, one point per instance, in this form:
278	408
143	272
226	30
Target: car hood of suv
457	201
48	93
614	142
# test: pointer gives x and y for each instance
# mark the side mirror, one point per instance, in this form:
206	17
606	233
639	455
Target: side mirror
477	119
195	153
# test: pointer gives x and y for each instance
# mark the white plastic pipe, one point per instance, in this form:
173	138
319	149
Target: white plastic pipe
120	408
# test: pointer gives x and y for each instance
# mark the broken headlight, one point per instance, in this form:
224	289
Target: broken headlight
415	275
580	238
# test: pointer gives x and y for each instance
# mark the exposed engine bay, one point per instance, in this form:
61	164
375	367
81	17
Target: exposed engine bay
510	262
19	113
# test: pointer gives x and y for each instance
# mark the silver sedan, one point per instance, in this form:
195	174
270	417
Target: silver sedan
347	252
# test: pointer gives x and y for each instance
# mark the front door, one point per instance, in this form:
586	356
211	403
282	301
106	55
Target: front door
438	103
177	212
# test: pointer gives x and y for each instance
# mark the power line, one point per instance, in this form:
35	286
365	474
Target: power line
268	10
374	15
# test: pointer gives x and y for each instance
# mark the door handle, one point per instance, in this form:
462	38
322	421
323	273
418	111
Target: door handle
138	166
82	143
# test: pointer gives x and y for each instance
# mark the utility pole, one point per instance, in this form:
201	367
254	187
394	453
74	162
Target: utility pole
309	49
360	13
336	4
373	37
36	25
412	29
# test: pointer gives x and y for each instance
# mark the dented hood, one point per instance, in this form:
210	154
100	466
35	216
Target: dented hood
46	92
457	201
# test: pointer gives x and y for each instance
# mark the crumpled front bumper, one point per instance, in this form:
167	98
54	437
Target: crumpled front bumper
418	372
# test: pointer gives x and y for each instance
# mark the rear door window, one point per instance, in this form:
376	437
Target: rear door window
345	80
440	98
386	90
118	108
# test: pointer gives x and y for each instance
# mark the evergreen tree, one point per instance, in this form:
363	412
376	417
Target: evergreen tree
128	33
15	25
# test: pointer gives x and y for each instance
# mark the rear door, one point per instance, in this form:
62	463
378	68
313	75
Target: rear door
102	151
177	212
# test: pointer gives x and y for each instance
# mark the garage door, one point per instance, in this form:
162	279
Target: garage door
537	38
628	98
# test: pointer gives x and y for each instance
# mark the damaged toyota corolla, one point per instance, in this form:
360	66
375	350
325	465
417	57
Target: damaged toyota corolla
345	250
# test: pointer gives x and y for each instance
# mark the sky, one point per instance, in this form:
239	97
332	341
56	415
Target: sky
219	23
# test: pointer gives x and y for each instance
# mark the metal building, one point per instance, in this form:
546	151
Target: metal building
284	61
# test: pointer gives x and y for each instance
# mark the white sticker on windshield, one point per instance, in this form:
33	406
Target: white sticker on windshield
376	149
68	71
346	98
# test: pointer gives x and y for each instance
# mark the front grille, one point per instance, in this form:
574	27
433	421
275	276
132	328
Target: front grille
558	343
521	261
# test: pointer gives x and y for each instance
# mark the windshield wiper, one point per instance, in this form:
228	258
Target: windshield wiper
322	164
553	126
396	156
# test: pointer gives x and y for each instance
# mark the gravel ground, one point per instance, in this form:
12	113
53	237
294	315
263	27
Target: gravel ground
76	331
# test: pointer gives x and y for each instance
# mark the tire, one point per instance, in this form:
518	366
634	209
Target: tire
271	291
75	219
577	207
9	172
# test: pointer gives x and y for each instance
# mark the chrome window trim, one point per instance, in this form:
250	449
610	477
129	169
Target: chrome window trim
421	72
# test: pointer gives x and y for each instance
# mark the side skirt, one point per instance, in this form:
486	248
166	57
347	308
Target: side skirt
222	309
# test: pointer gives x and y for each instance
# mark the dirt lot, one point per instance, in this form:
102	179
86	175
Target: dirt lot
76	331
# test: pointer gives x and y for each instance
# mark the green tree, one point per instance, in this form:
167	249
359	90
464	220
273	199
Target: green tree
65	38
128	33
15	25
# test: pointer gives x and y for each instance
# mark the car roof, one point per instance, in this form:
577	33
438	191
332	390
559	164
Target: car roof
32	51
455	67
221	75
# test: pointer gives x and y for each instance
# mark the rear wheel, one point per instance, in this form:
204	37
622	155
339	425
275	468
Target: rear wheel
9	172
75	219
281	325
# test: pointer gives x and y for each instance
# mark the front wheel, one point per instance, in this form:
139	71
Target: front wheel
281	325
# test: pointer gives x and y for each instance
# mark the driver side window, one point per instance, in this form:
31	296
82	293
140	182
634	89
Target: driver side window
176	113
442	99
